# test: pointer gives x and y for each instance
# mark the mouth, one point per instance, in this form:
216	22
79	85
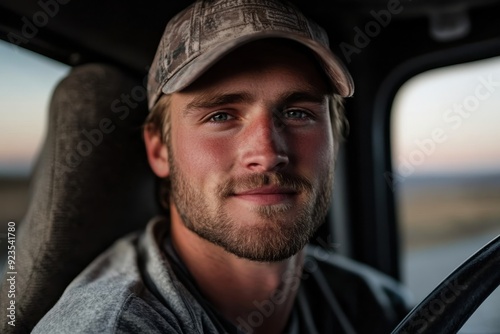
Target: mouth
268	195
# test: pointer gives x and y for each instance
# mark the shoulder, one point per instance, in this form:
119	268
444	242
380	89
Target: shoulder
367	296
109	297
341	268
125	312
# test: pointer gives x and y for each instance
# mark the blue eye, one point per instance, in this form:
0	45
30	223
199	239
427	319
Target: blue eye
220	117
296	114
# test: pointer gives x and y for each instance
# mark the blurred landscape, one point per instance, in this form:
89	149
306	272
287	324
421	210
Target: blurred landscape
444	219
435	209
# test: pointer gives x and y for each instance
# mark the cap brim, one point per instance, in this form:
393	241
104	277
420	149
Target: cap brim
340	78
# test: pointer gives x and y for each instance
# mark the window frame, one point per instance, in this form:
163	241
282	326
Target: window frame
386	215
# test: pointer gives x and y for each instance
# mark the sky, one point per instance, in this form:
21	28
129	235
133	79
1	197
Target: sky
429	132
448	119
26	84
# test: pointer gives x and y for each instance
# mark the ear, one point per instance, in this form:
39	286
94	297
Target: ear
157	151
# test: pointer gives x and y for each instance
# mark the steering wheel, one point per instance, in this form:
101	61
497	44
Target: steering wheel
447	308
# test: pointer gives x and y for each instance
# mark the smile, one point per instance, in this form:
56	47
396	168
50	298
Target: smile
267	195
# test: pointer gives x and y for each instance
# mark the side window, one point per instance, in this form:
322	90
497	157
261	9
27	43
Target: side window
27	80
446	164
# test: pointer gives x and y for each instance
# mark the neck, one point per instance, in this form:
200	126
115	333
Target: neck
239	288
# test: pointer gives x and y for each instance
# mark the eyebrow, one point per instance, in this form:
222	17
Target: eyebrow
218	99
292	97
209	100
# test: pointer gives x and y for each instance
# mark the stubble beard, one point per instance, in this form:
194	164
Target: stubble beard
274	237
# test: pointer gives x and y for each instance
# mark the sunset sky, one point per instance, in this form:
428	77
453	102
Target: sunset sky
467	141
26	83
444	100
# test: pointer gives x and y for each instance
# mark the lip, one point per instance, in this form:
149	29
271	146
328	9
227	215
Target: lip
268	195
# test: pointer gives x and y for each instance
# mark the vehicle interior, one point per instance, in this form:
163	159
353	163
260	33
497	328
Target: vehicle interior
383	43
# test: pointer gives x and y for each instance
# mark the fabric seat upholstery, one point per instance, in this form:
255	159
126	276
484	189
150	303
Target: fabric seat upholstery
91	185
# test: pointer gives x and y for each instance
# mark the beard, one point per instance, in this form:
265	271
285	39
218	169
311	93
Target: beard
275	235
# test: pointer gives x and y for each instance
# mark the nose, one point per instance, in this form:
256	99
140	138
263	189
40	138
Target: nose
264	146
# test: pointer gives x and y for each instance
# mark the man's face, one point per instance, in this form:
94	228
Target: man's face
251	152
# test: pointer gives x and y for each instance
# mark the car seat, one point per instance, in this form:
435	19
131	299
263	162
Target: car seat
79	203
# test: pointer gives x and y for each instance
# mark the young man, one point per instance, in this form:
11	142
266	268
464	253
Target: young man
246	119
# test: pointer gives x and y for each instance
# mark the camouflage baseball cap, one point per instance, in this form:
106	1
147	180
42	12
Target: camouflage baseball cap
198	37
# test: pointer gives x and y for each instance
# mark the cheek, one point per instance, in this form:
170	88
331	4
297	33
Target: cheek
315	150
201	157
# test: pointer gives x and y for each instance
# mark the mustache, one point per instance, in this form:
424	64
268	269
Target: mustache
295	183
